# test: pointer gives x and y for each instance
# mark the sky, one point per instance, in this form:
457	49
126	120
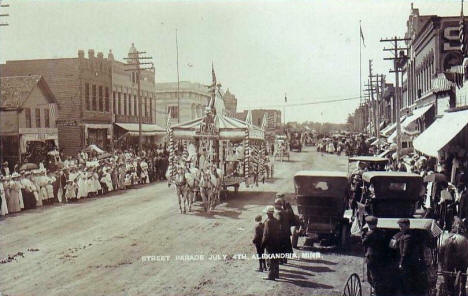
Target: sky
261	50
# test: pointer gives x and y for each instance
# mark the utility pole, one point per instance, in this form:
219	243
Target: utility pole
178	80
4	14
398	62
134	60
18	110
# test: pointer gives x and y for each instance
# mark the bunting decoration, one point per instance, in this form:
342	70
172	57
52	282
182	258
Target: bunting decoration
462	33
246	156
262	162
171	168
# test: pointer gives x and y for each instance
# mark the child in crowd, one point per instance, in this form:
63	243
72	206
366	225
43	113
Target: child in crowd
257	241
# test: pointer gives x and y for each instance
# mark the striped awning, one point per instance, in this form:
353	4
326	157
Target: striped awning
441	83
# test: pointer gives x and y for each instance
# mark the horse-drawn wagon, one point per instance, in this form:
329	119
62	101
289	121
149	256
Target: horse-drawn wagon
425	233
321	199
216	152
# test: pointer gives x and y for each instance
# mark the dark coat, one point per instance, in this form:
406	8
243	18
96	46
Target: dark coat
408	250
375	243
271	235
463	206
258	235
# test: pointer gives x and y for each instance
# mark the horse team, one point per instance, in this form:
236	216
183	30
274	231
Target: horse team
192	183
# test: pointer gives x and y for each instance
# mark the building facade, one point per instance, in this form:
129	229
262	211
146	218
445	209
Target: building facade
434	48
273	117
230	102
182	102
28	111
82	87
125	99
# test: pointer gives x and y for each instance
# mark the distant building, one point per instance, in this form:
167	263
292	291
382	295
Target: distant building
27	116
230	102
273	117
125	100
82	87
187	103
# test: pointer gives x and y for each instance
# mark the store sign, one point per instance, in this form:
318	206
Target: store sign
66	122
451	38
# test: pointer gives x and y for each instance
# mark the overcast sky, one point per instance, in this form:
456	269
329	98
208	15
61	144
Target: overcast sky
260	49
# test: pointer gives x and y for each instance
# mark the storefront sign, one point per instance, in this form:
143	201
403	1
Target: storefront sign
66	122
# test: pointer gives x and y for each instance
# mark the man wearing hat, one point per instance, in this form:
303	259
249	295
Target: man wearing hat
285	226
411	263
375	244
270	242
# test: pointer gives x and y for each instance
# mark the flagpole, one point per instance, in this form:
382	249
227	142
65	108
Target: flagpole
360	66
178	80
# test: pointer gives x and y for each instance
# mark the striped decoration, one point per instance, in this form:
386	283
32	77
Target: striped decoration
461	35
246	155
262	161
171	168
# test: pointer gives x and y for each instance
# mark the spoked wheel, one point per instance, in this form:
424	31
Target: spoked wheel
353	286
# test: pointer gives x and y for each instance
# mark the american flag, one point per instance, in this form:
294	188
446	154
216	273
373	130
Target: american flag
462	32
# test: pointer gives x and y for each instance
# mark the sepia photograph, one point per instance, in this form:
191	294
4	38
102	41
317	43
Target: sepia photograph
233	147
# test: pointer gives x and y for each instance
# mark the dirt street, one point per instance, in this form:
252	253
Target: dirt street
96	246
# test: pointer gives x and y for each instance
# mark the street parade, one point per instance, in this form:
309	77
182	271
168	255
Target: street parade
232	148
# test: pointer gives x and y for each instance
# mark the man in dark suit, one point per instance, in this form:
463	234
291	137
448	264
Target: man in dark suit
270	241
257	241
411	263
285	226
375	244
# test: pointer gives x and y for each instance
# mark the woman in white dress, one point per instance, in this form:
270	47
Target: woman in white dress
4	207
18	186
96	184
82	185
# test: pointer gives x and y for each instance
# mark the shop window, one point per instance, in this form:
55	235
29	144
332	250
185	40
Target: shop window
46	118
101	100
106	98
94	98
174	111
38	117
87	102
27	114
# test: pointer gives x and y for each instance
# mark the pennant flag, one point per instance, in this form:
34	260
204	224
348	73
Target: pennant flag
265	121
462	32
362	36
248	119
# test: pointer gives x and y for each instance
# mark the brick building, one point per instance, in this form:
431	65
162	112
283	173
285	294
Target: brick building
230	102
273	117
82	87
125	101
27	116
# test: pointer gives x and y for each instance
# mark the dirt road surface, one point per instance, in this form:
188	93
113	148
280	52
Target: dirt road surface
96	246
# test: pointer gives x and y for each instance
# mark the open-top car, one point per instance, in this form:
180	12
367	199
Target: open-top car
389	195
371	163
321	198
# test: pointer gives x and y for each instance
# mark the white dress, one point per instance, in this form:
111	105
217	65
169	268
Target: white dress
4	208
82	186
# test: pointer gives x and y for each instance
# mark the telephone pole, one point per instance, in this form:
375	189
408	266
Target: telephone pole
4	14
399	59
135	61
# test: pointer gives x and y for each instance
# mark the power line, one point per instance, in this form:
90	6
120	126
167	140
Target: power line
310	103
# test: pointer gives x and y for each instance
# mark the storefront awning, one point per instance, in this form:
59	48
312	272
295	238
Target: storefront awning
146	129
441	132
441	83
418	113
391	128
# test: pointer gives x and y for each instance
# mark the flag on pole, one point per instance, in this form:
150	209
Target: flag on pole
362	36
462	32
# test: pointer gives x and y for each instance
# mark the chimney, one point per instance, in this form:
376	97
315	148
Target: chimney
81	54
90	54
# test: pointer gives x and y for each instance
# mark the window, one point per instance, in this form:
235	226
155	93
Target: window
27	114
119	109
135	105
174	111
114	106
38	117
125	103
87	102
151	109
101	100
130	105
94	98
46	118
146	107
107	99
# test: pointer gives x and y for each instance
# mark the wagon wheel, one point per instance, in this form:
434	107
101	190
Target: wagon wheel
353	286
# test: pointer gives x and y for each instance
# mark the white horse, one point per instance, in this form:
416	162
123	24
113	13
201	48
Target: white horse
181	186
216	180
193	181
205	190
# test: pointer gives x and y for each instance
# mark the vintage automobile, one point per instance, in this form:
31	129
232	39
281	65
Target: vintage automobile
295	141
389	195
371	163
281	148
321	199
